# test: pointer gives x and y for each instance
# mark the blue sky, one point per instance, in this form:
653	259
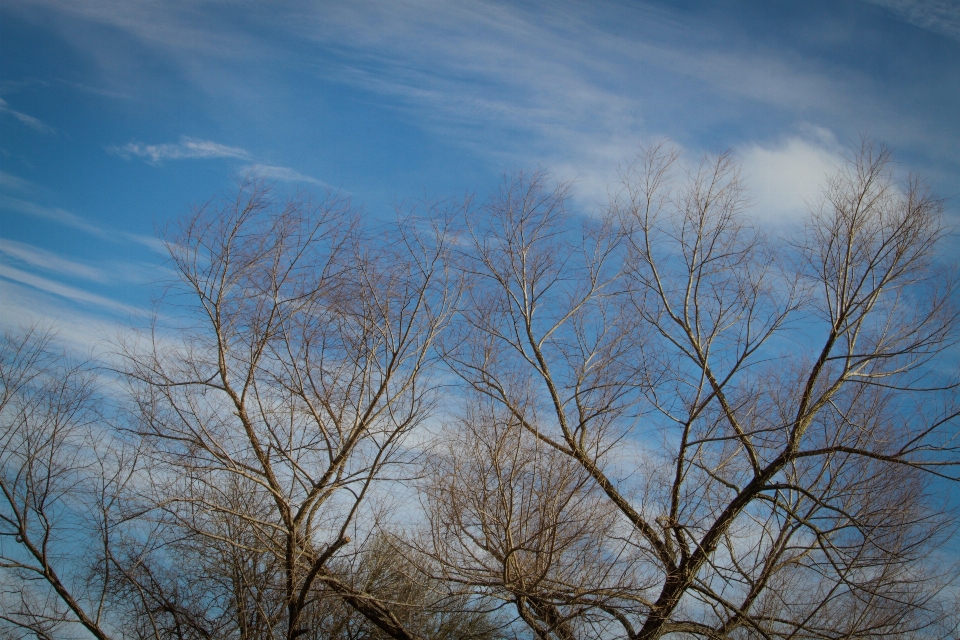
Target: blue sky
117	115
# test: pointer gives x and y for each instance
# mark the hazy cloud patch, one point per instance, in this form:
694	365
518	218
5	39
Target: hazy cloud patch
785	177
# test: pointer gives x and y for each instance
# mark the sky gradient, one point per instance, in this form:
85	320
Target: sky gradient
116	116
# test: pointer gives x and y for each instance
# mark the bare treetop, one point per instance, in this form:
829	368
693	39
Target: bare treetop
659	421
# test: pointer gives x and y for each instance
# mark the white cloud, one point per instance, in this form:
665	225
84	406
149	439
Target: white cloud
786	177
281	174
29	121
187	148
64	291
48	260
561	90
107	93
56	214
82	331
9	181
151	242
69	219
521	83
516	82
942	16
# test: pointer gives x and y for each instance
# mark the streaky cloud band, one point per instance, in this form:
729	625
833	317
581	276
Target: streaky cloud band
186	148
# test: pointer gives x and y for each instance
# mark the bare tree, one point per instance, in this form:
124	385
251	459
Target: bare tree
664	420
298	369
765	416
816	445
63	475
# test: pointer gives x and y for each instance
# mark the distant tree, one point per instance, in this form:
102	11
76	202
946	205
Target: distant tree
767	418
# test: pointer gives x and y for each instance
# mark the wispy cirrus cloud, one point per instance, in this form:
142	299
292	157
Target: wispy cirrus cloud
282	174
62	290
29	121
193	148
570	84
36	257
54	214
942	16
69	219
9	181
563	90
186	148
83	328
97	91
